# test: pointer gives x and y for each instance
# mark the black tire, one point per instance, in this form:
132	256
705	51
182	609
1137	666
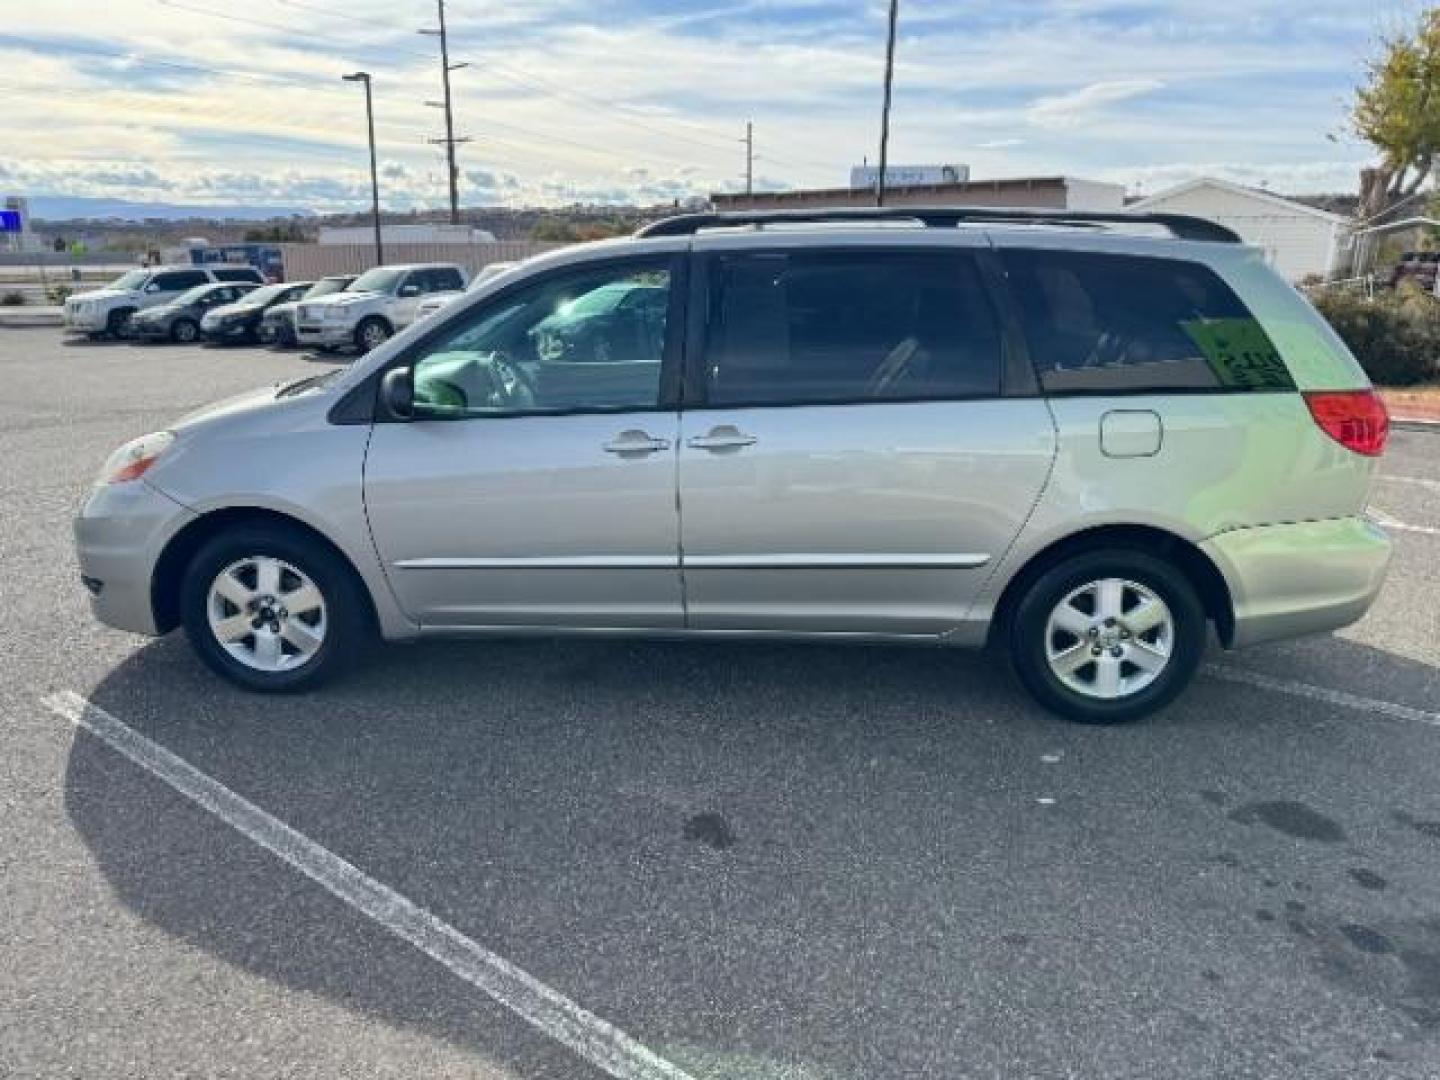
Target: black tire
264	335
349	630
184	331
371	327
117	323
1028	626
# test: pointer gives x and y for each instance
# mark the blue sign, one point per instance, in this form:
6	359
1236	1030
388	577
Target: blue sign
10	221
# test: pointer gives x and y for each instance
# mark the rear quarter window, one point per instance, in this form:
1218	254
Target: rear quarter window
236	273
179	280
1105	323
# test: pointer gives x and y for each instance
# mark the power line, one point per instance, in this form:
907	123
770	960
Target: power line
449	140
522	77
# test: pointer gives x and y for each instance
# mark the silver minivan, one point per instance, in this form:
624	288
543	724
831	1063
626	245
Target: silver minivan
1082	438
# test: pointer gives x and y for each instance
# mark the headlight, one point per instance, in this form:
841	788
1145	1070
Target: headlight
134	459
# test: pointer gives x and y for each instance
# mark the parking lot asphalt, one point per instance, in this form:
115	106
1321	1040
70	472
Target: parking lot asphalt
757	861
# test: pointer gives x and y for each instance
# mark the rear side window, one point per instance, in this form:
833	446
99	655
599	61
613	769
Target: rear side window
445	279
821	327
176	280
236	273
1104	323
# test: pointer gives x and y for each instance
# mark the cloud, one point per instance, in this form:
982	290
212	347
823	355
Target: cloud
1057	110
197	100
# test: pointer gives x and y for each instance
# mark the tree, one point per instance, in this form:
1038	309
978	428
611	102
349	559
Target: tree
1398	112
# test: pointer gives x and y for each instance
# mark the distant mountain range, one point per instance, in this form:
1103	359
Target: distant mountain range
69	208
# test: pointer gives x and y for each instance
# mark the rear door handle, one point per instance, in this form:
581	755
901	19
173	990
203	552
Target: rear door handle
635	441
723	437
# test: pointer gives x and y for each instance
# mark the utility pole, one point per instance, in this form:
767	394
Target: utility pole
364	77
449	140
885	111
749	157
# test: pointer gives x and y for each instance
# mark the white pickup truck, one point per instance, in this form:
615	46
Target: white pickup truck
377	304
108	310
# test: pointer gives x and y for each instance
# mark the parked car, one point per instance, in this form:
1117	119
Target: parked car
108	311
1046	432
377	304
278	326
179	320
241	320
605	324
435	301
1417	266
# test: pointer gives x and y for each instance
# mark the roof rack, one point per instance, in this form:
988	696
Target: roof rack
1180	226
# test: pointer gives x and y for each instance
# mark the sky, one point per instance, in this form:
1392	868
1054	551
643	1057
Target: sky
642	101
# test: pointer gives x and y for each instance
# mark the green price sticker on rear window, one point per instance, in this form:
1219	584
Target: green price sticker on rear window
1240	353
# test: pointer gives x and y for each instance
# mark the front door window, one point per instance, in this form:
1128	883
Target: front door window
588	341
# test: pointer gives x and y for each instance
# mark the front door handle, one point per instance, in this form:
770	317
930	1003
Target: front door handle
635	441
722	437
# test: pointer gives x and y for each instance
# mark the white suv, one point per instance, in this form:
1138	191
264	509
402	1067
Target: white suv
377	304
109	310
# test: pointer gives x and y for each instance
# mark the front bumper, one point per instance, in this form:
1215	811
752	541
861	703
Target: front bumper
1302	578
86	322
119	535
325	333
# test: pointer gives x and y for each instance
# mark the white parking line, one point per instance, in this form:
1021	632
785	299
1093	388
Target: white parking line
592	1038
1421	481
1385	520
1321	693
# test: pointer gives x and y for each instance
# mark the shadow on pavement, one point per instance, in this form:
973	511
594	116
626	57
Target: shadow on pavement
838	862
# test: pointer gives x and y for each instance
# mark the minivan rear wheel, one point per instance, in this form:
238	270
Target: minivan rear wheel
1107	636
272	609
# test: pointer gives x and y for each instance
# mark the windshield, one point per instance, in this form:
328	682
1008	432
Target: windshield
189	296
381	279
488	272
326	286
264	294
131	279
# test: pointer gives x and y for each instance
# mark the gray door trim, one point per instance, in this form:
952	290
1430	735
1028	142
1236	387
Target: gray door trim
556	562
831	562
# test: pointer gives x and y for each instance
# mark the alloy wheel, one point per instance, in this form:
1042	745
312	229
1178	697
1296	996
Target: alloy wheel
267	614
1109	638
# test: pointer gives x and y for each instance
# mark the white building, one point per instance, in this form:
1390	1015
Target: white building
1298	240
420	233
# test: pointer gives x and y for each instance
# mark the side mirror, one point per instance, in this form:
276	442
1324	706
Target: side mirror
153	286
397	393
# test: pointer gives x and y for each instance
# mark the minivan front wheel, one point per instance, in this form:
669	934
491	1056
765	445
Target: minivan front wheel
1108	636
272	609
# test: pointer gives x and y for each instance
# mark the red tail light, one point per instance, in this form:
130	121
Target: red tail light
1356	419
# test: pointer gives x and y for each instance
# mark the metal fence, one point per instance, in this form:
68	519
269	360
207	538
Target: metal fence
1364	285
305	262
